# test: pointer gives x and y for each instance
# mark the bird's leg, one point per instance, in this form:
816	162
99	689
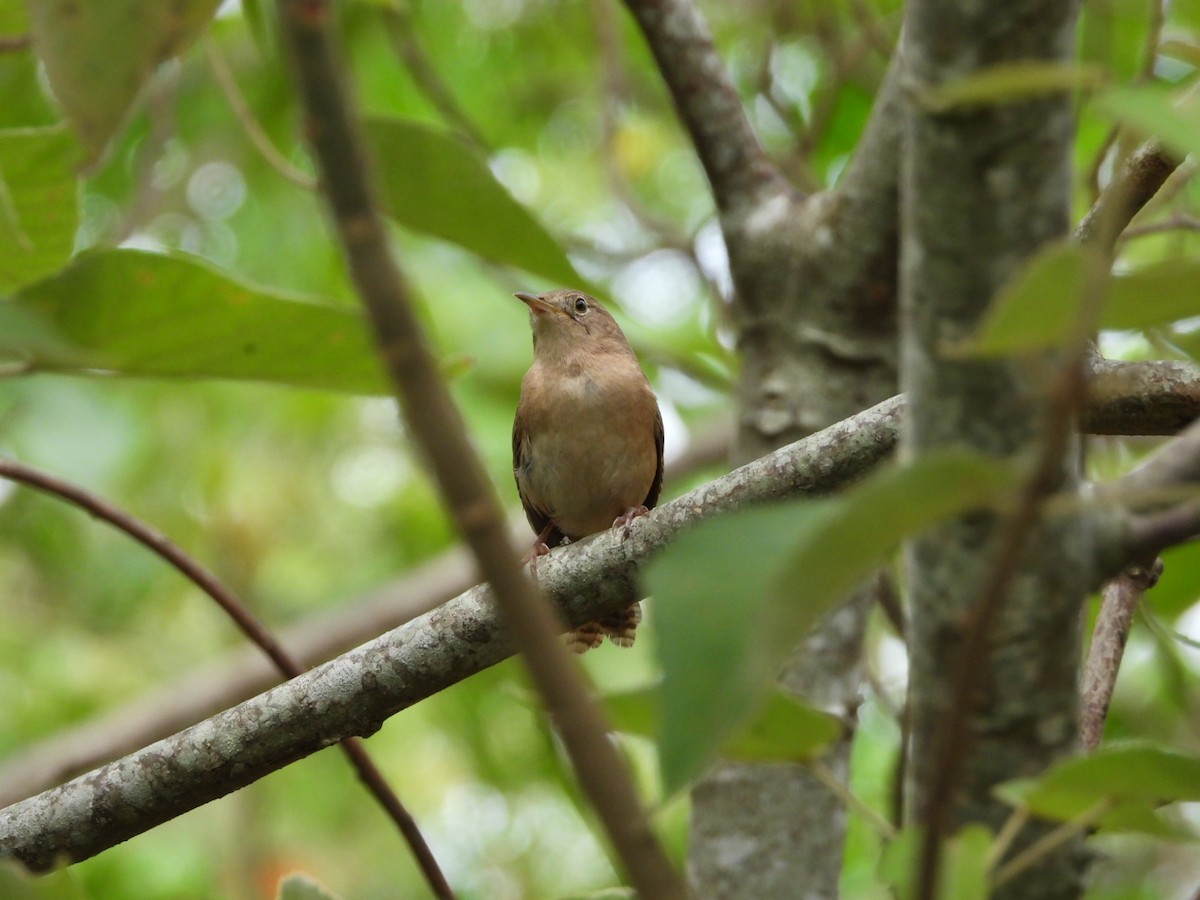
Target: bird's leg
625	520
540	548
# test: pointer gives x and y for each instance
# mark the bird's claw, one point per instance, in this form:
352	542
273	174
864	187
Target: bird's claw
540	548
625	520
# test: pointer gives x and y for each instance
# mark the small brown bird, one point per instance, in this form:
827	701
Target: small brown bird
587	438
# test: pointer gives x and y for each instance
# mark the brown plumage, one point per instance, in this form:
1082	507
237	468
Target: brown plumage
587	438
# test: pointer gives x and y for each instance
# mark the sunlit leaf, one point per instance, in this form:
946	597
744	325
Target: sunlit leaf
434	183
99	53
38	207
149	314
1012	83
734	595
1128	776
1154	111
963	873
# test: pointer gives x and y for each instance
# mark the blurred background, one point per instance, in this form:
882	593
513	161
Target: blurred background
306	501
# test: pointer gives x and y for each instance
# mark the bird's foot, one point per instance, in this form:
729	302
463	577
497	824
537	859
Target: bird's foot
625	520
539	548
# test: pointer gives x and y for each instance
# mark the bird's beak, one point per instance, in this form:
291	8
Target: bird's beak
536	304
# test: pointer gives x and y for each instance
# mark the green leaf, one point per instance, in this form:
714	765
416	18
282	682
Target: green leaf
784	728
733	596
1041	305
99	53
434	183
1153	295
38	206
1157	112
1038	308
1128	776
1012	83
149	314
964	869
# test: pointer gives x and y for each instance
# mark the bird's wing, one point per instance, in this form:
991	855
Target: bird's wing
656	485
538	518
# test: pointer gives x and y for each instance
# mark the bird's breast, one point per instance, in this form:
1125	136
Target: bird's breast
590	449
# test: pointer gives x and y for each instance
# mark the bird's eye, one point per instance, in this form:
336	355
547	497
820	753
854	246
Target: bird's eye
581	305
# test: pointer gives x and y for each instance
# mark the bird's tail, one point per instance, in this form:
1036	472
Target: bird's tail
620	627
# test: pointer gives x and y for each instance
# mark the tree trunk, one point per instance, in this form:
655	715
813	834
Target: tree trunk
982	189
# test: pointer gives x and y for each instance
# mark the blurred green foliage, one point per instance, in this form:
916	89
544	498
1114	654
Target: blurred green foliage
566	154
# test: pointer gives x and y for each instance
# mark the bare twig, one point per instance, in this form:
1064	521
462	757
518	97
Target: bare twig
15	43
436	424
1138	179
1120	597
245	117
707	102
1049	842
251	627
1174	223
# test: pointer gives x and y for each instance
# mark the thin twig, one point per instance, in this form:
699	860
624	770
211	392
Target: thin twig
1179	222
258	138
1119	600
1049	842
15	43
249	625
839	789
436	423
1137	179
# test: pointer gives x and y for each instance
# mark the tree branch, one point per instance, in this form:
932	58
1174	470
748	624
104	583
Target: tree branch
355	693
1120	599
737	167
436	424
1124	398
252	628
242	673
1138	180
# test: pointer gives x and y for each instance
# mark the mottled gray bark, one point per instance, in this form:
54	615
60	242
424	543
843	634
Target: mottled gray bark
816	321
983	188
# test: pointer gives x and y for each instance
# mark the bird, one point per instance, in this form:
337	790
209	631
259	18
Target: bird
587	437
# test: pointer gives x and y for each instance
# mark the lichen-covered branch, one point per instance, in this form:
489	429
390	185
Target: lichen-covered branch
355	693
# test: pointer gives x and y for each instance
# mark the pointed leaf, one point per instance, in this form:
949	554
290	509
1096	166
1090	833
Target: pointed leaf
784	729
434	183
1041	305
1038	308
1157	112
734	595
1012	83
1131	774
99	53
38	207
150	314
